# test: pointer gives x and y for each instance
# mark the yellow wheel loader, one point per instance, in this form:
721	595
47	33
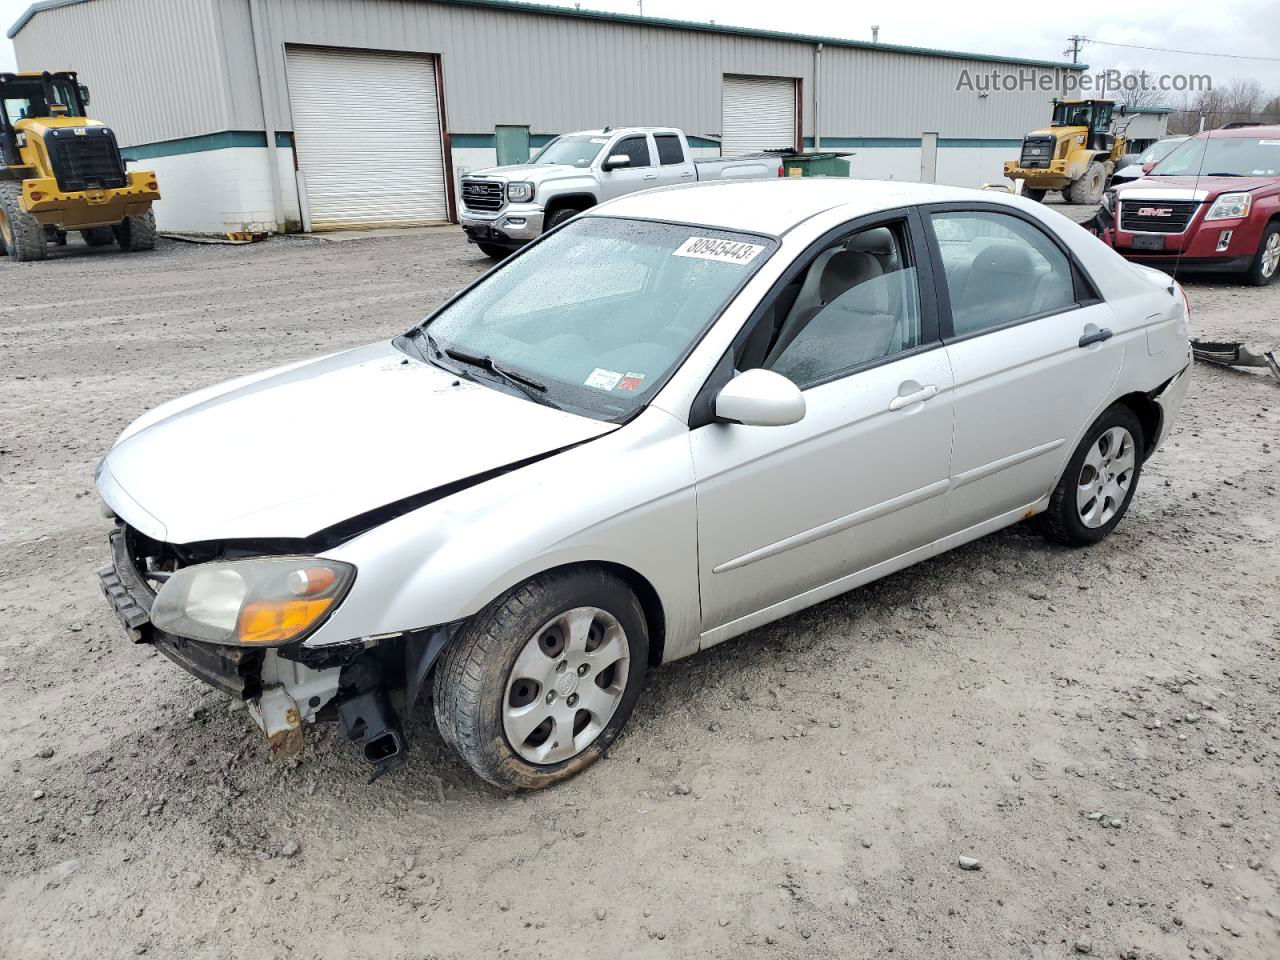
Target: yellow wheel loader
62	171
1076	155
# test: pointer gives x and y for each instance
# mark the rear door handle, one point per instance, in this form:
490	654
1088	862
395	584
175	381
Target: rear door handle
1097	336
920	396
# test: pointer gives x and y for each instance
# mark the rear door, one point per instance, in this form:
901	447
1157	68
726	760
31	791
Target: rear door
1033	353
674	164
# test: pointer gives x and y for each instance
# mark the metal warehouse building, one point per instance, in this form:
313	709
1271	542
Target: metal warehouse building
318	114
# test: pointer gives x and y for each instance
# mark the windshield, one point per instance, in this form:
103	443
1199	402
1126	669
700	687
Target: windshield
600	312
1223	157
28	97
1159	150
576	151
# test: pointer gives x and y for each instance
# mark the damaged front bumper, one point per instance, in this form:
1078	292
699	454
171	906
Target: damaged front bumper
370	683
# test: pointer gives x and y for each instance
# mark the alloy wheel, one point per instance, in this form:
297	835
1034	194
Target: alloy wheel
566	685
1271	255
1105	477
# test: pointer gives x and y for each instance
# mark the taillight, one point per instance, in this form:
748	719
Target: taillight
782	169
1186	301
152	185
36	196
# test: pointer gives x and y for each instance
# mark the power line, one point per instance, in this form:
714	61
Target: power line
1189	53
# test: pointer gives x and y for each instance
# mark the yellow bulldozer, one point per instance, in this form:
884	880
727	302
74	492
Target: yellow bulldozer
62	171
1076	154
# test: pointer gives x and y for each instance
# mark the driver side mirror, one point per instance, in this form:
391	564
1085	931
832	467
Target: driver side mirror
615	161
84	94
760	398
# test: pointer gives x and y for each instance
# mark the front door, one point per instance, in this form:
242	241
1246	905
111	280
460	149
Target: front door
1025	339
639	174
788	511
512	144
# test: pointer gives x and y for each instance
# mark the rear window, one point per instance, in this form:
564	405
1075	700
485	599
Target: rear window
669	151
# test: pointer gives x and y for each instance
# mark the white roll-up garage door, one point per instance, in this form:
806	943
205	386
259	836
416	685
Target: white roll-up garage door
758	113
367	130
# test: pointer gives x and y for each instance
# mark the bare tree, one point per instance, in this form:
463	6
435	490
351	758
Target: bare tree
1137	91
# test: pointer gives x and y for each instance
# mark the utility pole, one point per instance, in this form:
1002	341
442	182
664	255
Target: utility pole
1074	50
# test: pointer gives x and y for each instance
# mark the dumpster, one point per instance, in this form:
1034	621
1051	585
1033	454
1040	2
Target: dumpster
817	165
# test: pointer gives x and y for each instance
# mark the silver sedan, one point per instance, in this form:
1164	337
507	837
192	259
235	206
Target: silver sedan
679	416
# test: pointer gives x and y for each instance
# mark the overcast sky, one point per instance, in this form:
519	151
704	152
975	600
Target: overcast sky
1038	31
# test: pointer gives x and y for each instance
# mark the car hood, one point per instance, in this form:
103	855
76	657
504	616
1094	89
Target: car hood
312	445
528	172
1202	188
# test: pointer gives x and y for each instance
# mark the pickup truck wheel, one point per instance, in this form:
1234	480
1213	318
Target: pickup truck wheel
1034	194
137	233
21	236
558	217
1088	188
97	236
540	682
1266	265
494	252
1096	488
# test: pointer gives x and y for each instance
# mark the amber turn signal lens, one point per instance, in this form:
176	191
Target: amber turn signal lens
276	621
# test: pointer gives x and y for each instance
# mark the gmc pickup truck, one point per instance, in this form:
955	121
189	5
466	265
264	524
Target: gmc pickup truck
1213	204
504	208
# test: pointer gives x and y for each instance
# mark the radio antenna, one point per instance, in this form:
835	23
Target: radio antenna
1195	190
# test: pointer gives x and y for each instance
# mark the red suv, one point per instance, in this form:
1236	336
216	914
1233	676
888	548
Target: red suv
1212	204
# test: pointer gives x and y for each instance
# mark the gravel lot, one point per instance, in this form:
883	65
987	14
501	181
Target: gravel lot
1099	729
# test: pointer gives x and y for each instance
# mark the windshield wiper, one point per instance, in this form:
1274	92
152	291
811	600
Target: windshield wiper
533	389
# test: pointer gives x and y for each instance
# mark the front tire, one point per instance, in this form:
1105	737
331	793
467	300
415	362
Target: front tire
541	682
137	233
1088	188
1100	480
1266	265
21	235
493	251
558	217
1033	194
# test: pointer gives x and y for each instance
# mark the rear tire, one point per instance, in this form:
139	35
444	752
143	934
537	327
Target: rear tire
1099	482
1266	264
1088	188
137	233
494	252
525	668
21	236
1034	194
98	236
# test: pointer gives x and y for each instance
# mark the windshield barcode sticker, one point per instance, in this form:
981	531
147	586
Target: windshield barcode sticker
726	251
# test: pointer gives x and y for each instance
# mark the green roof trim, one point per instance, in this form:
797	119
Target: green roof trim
630	18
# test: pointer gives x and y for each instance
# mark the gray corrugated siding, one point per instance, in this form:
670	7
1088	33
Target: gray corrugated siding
155	70
186	67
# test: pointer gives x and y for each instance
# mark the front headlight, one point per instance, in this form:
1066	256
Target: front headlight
519	192
261	603
1230	206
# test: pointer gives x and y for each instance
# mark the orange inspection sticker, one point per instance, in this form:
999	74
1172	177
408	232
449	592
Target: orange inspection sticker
631	382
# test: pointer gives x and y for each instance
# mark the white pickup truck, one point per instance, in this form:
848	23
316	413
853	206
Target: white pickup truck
504	208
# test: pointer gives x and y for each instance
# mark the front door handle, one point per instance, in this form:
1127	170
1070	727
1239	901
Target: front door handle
651	176
920	396
1095	336
685	176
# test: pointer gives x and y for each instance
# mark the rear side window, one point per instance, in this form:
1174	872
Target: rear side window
669	151
999	269
637	148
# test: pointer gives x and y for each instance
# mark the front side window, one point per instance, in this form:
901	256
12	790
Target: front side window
856	303
637	148
999	270
600	312
669	151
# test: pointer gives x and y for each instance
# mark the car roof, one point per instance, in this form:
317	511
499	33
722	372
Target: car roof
1269	131
611	131
775	205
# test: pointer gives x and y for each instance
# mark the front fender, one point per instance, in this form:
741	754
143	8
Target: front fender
626	498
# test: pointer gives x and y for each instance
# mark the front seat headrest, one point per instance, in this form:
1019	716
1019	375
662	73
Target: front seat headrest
845	271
